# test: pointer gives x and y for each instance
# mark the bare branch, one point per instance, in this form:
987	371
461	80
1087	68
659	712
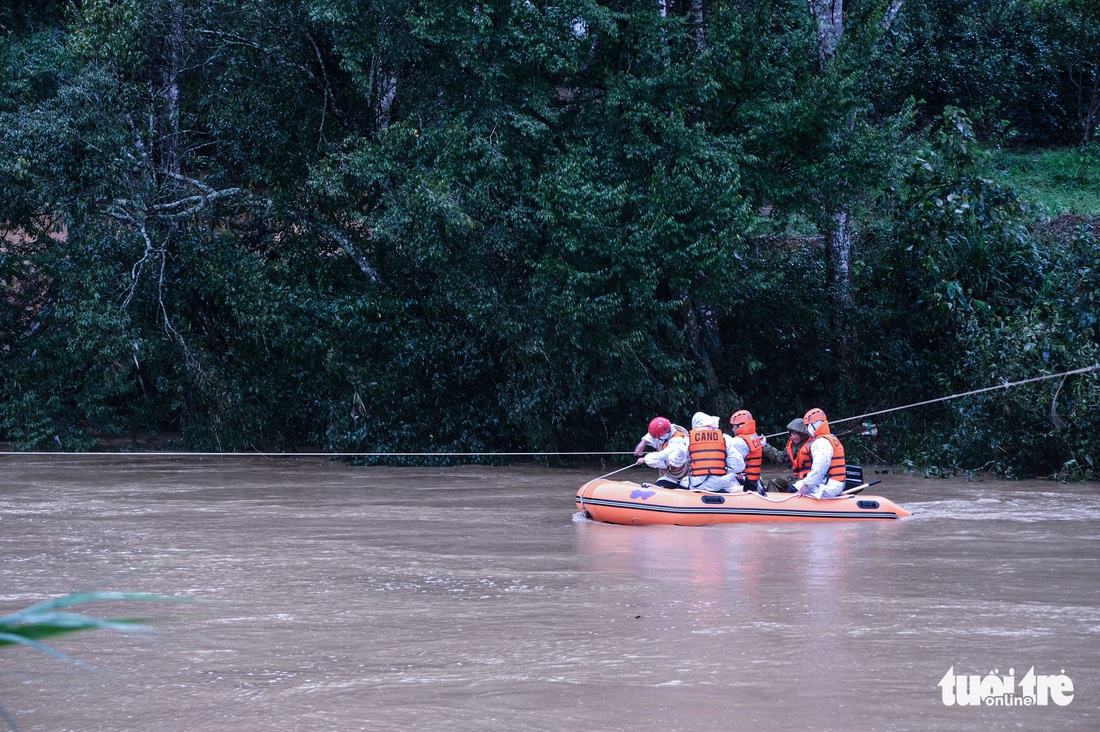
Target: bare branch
356	255
190	181
348	246
135	272
891	13
330	96
236	40
193	204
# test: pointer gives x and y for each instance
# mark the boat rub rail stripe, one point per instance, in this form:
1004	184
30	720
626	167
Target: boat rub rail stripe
709	511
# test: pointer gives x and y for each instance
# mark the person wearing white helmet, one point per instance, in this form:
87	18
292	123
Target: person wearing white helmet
714	460
825	478
670	441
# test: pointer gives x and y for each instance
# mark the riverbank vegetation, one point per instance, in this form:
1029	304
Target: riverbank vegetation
492	226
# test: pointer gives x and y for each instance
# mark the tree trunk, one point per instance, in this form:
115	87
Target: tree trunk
838	256
695	339
828	18
891	13
697	25
1088	97
170	141
383	83
708	331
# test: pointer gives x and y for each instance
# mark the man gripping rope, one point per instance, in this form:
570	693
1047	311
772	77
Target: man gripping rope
671	457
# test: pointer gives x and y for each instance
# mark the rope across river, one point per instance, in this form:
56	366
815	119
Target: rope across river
168	453
1005	385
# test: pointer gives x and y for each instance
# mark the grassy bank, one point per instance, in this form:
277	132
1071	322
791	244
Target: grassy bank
1061	180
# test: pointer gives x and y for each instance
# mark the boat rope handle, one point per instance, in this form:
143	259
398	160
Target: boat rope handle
581	495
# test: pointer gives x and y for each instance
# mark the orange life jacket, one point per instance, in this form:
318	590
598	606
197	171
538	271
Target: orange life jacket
707	450
837	467
801	460
755	457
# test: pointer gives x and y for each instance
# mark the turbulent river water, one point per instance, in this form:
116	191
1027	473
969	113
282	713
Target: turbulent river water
332	597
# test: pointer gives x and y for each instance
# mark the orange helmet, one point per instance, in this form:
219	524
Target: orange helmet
659	427
743	423
816	422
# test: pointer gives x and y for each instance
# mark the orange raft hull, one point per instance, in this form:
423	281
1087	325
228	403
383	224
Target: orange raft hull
631	504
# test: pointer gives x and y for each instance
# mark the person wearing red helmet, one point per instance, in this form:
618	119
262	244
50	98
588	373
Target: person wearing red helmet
825	478
670	442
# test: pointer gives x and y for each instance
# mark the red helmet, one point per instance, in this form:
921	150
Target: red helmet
743	422
659	427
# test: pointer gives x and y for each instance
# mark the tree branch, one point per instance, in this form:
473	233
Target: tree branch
891	13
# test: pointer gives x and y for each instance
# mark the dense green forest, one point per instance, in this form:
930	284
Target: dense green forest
407	225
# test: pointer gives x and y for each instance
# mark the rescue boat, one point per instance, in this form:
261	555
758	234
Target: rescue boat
634	504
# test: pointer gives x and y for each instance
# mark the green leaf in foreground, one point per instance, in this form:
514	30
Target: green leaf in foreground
48	619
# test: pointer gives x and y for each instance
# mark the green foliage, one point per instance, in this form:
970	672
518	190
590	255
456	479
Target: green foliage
48	619
1025	70
994	297
994	59
966	235
518	226
111	31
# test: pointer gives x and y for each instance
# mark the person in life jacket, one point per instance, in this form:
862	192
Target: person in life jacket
750	448
797	454
670	441
712	456
825	478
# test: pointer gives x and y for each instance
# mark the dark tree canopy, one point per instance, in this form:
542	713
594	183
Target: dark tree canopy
489	226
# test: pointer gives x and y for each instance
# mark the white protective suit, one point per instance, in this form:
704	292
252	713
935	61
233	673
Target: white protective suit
735	463
670	458
816	483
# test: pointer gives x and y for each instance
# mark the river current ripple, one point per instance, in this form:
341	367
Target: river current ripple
324	596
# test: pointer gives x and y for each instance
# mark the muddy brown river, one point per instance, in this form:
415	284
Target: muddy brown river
332	597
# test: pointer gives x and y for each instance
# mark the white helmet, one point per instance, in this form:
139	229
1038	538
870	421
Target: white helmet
702	419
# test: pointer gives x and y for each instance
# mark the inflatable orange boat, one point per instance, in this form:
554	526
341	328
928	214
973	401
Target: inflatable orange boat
633	504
